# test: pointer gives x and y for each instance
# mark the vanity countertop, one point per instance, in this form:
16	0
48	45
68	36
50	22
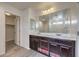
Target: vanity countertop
63	37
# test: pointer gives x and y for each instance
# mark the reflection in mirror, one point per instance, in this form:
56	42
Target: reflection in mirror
44	23
58	22
54	22
33	24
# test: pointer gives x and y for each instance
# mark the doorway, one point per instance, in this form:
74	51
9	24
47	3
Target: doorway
12	30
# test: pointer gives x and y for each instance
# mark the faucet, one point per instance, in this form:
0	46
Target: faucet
58	34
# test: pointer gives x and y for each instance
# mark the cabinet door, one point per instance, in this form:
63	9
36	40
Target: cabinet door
66	51
54	49
34	43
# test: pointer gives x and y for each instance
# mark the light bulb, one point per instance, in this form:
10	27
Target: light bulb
8	14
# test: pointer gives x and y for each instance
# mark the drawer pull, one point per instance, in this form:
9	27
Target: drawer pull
65	47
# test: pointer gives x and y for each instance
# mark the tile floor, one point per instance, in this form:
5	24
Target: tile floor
13	50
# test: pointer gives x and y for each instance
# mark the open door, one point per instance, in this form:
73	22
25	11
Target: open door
17	38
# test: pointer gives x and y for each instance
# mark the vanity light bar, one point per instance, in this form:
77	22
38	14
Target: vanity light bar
47	11
8	14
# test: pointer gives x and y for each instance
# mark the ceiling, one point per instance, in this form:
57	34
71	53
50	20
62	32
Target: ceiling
24	5
39	5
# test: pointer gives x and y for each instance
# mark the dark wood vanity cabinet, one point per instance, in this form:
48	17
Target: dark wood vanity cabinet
34	42
44	47
64	48
52	46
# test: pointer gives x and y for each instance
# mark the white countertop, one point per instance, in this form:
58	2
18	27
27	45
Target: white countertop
53	35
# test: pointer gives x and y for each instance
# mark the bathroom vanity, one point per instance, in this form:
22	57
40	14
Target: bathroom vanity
55	34
53	46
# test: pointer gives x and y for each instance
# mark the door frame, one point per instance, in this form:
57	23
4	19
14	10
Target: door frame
17	34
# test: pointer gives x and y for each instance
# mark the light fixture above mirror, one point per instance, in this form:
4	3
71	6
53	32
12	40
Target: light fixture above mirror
8	14
48	11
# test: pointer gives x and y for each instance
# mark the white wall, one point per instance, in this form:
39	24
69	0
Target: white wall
77	40
24	29
25	26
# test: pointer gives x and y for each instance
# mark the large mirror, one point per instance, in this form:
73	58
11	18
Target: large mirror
58	22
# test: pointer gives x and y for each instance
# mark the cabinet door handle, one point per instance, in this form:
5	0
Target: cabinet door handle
65	47
53	44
